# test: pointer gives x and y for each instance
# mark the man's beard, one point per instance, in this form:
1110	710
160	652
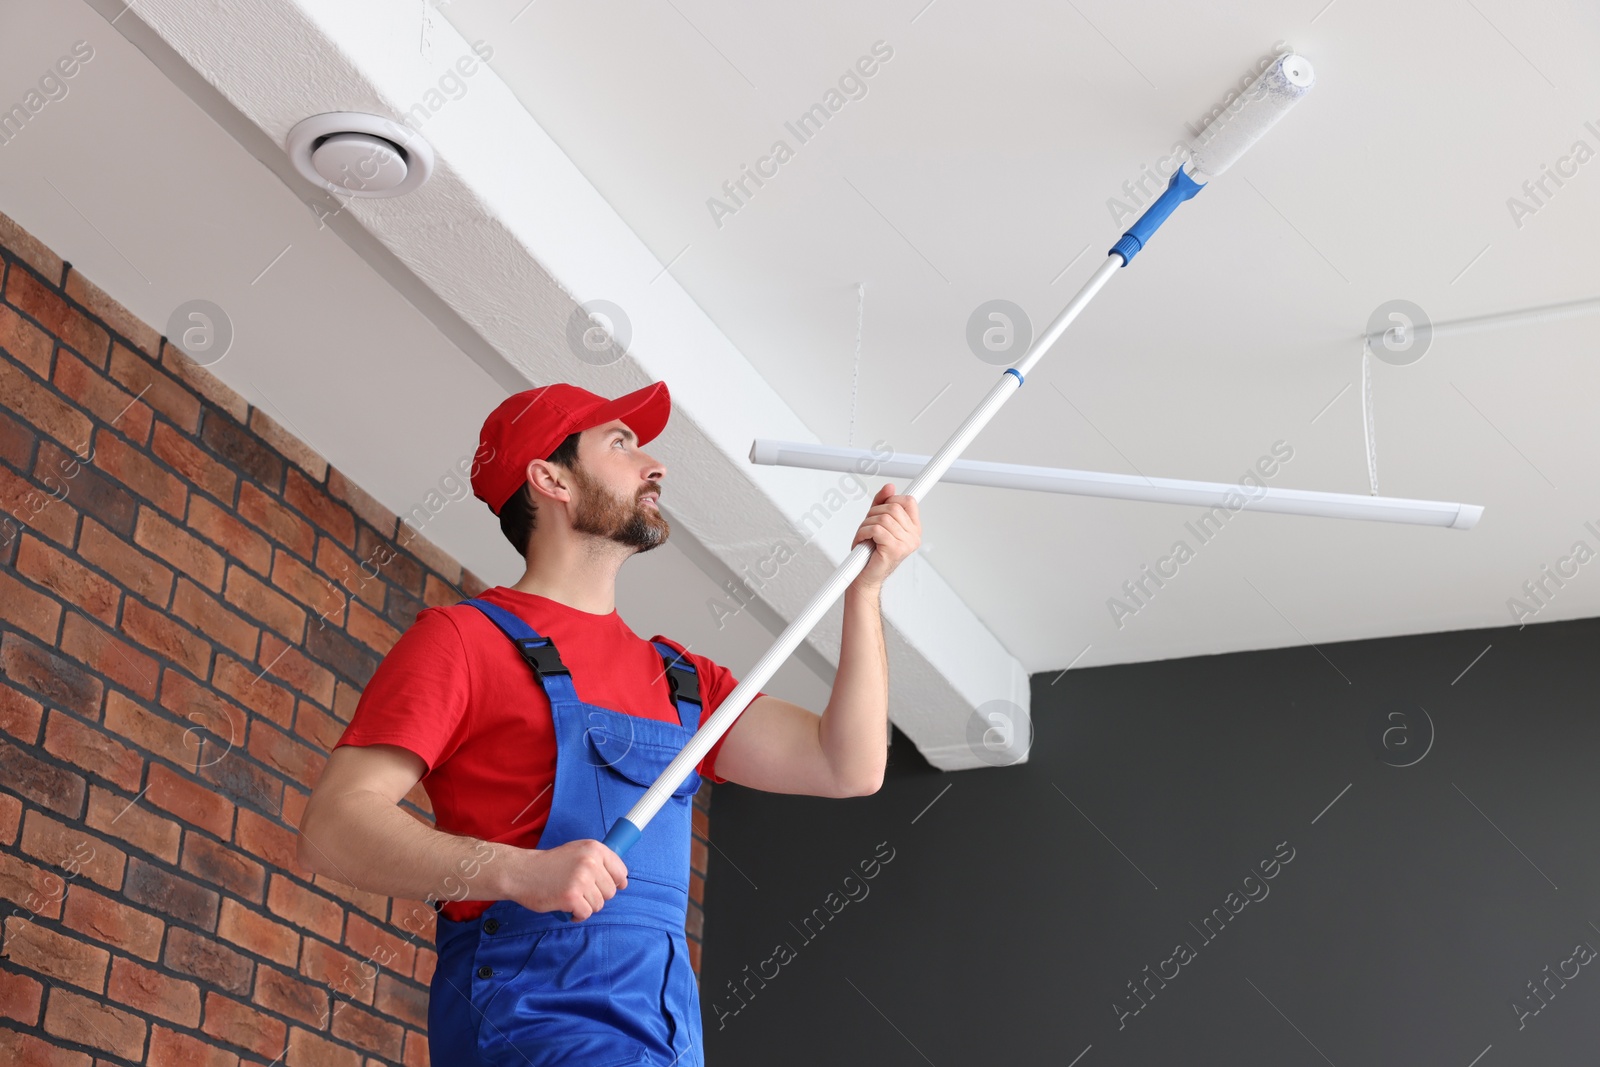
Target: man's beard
627	522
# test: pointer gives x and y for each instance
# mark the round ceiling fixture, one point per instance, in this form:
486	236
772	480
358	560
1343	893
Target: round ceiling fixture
349	153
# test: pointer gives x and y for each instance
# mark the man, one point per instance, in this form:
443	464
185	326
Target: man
534	718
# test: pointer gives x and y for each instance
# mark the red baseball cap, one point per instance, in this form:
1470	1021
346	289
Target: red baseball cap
532	424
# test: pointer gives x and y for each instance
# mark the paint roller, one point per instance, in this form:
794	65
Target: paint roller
1216	148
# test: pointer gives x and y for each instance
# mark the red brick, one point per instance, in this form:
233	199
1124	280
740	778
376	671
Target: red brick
288	445
158	888
102	398
265	839
351	578
380	557
293	811
73	850
224	866
189	801
34	888
292	996
25	246
265	604
89	1022
438	593
51	311
10	818
70	472
136	571
694	956
208	960
93	750
28	504
69	579
37	405
283	753
427	959
304	908
371	630
160	390
308	1050
135	932
415	919
130	820
20	998
218	726
345	701
149	730
314	502
59	681
256	933
472	585
431	555
241	1025
156	631
214	619
193	464
154	993
318	727
28	609
292	666
132	468
43	783
65	959
366	1031
325	599
276	521
374	904
16	448
188	554
341	972
105	654
402	1000
113	314
20	714
380	946
25	341
233	537
25	1050
340	487
416	1049
168	1048
245	684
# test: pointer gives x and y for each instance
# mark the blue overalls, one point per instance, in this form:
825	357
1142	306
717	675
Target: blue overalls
522	988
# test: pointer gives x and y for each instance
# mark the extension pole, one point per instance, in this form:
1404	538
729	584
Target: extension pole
1270	96
625	831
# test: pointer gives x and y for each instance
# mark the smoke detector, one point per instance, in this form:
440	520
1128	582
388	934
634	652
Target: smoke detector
349	154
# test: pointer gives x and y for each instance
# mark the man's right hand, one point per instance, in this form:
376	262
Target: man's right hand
577	877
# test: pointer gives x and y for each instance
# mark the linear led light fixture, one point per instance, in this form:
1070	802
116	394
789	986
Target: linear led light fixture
1517	316
1123	486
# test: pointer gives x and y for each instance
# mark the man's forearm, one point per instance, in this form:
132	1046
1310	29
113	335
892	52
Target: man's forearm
374	845
855	725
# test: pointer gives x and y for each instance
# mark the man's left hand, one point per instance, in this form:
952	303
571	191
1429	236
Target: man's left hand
895	529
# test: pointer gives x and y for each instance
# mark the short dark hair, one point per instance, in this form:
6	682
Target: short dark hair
518	517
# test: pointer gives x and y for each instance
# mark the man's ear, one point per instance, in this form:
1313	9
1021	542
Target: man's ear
548	481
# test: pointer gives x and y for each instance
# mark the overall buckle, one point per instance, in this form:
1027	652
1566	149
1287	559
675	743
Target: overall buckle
542	656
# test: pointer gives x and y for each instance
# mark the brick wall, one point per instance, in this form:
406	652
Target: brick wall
190	602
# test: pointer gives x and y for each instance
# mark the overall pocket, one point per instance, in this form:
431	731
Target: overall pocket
624	767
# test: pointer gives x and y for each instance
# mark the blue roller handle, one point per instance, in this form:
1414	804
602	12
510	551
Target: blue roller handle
1179	188
622	836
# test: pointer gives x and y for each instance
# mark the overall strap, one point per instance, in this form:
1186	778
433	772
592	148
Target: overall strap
684	682
539	652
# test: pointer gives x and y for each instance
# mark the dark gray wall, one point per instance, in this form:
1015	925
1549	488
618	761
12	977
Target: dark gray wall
1016	910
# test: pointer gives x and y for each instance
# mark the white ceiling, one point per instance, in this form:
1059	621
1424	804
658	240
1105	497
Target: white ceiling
978	165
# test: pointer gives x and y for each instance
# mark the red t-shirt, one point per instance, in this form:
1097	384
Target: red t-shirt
455	691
